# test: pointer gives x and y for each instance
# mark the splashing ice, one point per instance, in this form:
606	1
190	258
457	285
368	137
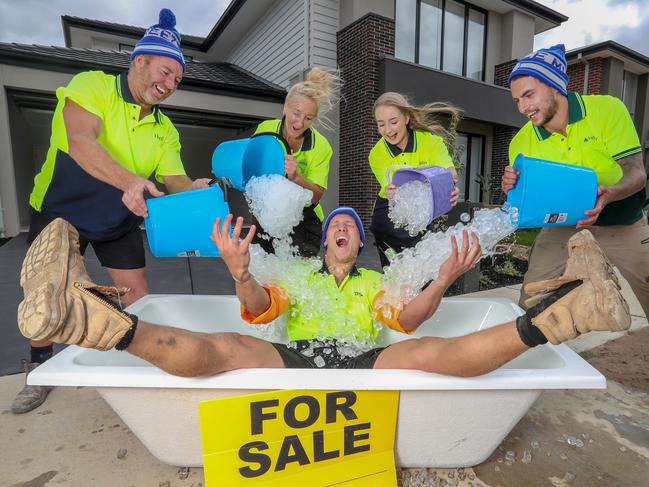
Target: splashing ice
277	203
412	207
411	269
311	298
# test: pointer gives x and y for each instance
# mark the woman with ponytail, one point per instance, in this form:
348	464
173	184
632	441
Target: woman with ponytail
410	136
308	151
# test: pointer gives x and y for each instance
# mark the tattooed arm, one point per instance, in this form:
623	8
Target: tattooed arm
634	178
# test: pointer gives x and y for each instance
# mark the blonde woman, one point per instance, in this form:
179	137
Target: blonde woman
309	152
410	136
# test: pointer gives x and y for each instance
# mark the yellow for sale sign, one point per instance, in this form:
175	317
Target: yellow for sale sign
300	438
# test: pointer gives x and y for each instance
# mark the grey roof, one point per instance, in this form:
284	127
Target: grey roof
211	77
613	46
133	31
540	10
187	41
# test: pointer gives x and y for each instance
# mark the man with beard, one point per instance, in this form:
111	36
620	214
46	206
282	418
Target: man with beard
591	131
63	305
108	137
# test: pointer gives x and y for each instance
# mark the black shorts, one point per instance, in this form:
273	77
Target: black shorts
126	252
293	357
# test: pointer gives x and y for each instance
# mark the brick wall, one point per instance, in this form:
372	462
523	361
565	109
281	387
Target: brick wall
503	134
501	72
576	73
359	46
576	77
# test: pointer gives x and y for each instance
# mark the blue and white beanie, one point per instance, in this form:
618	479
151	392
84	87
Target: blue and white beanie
161	39
344	210
547	65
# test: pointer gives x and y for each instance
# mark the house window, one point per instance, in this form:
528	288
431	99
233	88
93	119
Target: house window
444	34
472	157
630	91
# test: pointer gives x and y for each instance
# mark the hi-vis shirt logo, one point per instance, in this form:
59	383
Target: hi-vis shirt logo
158	137
300	438
590	138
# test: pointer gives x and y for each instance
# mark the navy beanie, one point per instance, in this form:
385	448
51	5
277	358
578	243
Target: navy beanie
547	65
161	39
345	210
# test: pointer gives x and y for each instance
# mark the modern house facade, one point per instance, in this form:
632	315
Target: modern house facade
430	50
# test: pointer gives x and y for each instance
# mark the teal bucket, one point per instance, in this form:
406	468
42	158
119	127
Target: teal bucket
180	224
551	194
241	159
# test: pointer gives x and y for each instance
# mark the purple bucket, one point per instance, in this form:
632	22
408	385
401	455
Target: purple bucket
440	181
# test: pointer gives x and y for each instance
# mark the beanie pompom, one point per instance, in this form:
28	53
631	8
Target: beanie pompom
560	48
167	19
161	39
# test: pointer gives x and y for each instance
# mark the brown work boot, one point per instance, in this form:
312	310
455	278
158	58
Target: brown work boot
29	397
586	261
61	303
588	299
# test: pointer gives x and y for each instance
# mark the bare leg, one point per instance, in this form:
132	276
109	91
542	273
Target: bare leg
191	354
466	356
134	279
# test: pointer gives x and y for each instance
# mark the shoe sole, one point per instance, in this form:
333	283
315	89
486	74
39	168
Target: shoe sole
610	299
596	265
607	299
44	277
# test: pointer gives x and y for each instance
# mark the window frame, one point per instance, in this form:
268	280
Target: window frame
467	7
467	181
633	101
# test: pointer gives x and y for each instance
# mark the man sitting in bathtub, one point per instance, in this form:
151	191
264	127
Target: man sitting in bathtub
63	305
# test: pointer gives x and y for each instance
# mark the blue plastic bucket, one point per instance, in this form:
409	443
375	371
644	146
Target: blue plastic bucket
241	159
551	194
180	224
438	178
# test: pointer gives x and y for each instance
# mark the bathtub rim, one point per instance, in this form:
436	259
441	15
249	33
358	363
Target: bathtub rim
61	370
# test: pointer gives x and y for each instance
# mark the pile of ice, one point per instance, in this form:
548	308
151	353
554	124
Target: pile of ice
411	269
310	296
277	203
412	207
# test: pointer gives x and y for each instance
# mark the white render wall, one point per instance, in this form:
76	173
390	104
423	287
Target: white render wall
323	26
291	37
275	49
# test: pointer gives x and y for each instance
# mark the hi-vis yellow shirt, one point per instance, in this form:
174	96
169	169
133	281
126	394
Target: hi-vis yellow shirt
312	159
423	149
357	294
600	132
143	147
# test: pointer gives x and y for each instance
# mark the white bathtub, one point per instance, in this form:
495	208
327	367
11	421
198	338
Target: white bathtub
443	421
